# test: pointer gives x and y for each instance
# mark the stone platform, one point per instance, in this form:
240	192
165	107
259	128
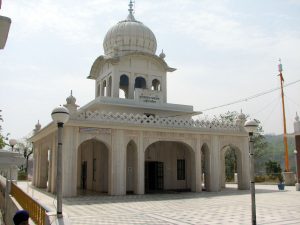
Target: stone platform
231	206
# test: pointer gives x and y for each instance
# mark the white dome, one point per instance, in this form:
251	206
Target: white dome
129	36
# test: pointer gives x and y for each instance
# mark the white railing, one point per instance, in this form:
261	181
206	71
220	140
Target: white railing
169	122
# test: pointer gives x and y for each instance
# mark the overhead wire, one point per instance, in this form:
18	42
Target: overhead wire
288	98
265	107
268	116
251	97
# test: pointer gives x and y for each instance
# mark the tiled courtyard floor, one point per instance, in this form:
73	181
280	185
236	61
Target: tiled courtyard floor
230	206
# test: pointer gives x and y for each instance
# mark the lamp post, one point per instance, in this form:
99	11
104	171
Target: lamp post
296	170
12	143
250	127
60	115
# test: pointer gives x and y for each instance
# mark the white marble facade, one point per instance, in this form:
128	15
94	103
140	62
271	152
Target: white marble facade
129	139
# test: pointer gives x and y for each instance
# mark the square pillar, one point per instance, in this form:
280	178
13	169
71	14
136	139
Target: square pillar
69	161
34	174
141	166
244	178
198	166
215	184
118	164
54	164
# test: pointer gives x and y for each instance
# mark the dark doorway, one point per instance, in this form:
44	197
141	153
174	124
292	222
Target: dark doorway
154	176
83	175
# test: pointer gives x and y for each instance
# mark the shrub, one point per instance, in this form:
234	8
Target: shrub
22	175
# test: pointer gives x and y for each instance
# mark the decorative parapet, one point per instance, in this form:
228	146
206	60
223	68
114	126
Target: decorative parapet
162	122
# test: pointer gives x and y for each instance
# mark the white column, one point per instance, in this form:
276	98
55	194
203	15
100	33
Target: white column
131	87
69	161
222	169
38	165
54	164
244	178
50	170
118	163
215	164
140	165
43	167
198	168
115	85
163	86
34	177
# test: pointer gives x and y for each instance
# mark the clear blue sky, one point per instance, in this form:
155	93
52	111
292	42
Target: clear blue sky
223	50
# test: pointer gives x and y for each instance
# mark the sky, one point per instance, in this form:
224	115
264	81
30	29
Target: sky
224	50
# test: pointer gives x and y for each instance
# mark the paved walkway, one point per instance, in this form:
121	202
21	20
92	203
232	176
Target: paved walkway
230	206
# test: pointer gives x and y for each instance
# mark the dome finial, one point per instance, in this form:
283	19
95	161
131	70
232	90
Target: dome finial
130	16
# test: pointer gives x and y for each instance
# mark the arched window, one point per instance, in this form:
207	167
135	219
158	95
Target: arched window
140	82
98	90
123	86
104	89
109	86
155	85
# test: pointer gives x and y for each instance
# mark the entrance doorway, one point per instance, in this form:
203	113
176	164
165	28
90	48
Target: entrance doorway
83	175
154	176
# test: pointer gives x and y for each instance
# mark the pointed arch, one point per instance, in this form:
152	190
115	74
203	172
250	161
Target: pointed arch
156	85
109	87
140	82
93	166
169	165
231	165
123	86
104	89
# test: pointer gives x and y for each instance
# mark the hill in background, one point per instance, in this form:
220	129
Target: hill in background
275	152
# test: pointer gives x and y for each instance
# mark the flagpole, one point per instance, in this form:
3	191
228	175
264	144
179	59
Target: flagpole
287	167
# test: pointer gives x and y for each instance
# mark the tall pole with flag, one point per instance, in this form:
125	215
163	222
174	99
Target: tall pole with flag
286	150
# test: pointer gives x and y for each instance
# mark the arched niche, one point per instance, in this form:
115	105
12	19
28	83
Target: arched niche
231	165
156	85
123	86
93	166
169	165
140	82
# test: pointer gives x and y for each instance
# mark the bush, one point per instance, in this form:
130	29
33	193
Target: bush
259	179
22	175
273	170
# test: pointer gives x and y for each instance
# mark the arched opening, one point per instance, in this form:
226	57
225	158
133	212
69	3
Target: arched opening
168	166
123	86
131	168
231	166
140	82
92	166
42	168
98	90
155	85
205	167
109	87
104	89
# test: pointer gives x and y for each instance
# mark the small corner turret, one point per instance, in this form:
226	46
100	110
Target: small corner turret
71	103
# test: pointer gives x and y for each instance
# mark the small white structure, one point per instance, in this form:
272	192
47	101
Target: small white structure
4	29
129	139
9	162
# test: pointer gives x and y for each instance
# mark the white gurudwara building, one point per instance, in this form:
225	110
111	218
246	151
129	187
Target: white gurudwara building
129	139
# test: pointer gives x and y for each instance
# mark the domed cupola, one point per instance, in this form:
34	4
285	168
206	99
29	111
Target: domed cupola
129	36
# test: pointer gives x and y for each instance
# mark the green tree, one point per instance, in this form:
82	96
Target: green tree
260	142
3	138
25	147
230	163
273	170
